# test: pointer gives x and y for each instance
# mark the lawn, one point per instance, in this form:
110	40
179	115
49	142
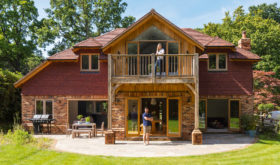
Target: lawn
265	151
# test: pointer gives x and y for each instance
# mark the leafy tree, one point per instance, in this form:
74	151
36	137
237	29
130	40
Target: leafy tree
18	21
264	34
266	88
266	11
72	21
9	95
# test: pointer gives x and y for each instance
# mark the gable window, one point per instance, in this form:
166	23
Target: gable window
217	62
90	62
43	107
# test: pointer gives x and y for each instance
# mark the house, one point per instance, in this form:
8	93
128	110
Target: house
204	83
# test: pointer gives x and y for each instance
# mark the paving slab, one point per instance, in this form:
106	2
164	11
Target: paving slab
212	143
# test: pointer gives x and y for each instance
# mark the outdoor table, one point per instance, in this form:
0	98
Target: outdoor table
78	126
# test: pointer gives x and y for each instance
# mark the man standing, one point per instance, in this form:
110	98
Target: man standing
147	124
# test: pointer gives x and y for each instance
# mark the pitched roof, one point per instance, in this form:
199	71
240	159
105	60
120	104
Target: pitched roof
100	40
152	13
243	54
205	39
90	42
239	53
67	54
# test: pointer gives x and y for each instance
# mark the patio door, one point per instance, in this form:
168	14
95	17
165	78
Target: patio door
132	117
174	117
234	115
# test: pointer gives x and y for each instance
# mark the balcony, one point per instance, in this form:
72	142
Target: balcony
142	68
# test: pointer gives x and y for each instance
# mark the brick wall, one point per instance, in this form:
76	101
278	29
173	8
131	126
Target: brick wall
238	80
60	110
65	78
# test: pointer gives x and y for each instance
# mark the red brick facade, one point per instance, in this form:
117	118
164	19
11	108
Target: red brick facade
65	78
237	80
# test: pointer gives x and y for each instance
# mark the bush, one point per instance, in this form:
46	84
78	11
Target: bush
18	136
248	122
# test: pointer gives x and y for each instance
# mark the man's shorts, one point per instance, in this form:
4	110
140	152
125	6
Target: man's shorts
146	129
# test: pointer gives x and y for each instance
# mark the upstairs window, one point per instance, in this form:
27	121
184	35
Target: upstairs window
44	107
217	62
90	62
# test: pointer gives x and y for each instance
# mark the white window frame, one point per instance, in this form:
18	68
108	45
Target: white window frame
217	62
44	106
89	63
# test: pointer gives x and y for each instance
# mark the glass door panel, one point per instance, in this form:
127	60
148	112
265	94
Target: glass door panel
173	118
202	114
132	121
234	120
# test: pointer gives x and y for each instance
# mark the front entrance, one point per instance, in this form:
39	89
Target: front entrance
165	112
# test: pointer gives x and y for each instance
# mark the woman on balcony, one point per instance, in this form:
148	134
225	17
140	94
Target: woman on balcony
159	62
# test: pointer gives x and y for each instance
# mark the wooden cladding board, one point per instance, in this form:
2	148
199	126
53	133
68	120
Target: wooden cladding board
153	88
185	46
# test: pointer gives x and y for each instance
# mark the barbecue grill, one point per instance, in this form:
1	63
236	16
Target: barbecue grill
39	120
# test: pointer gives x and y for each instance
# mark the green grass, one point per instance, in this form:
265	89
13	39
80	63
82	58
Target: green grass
173	126
234	122
265	151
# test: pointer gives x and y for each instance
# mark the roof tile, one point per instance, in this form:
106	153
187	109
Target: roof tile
67	54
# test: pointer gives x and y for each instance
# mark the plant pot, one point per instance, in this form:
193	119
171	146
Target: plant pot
252	133
79	122
87	122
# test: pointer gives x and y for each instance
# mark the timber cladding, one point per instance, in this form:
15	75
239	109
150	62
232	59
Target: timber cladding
184	45
119	105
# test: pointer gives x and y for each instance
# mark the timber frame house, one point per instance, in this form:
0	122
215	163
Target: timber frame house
201	83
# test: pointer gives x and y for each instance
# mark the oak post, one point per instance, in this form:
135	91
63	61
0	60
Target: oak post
109	91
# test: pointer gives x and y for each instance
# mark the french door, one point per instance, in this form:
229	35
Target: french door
234	115
132	117
173	117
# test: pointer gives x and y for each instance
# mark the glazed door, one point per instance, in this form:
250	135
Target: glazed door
234	115
132	117
173	117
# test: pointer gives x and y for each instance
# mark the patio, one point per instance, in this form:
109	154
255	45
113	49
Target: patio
213	143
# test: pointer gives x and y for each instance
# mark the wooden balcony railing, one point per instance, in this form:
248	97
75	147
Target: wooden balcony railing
146	65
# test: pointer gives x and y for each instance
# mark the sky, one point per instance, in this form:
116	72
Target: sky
183	13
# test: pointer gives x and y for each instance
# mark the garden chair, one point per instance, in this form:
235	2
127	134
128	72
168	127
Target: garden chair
101	130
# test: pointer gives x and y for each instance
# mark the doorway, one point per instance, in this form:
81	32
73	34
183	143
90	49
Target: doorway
165	113
217	115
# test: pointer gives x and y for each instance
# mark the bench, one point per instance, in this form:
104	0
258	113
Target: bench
79	131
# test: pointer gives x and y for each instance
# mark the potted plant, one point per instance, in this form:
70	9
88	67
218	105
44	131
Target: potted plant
248	124
87	119
80	117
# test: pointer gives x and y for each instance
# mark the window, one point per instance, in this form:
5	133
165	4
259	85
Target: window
90	62
234	114
44	107
217	62
202	114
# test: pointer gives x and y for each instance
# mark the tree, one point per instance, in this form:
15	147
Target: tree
266	88
266	11
72	21
18	21
264	34
9	95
